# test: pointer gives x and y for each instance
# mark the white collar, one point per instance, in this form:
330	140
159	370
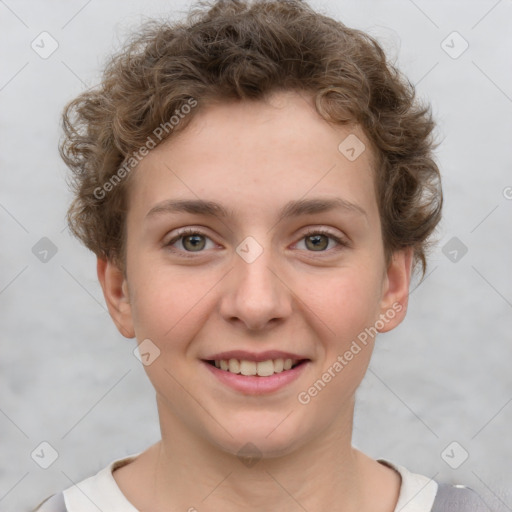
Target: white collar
417	492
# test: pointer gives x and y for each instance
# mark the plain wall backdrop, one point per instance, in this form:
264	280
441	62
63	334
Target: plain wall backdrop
68	378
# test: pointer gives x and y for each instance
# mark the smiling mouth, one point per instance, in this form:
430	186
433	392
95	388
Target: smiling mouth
253	368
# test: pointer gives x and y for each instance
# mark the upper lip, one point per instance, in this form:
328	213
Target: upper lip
253	356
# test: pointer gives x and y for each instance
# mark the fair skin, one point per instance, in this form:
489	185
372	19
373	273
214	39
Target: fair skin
253	158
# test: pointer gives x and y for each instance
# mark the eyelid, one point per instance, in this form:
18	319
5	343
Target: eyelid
341	240
182	233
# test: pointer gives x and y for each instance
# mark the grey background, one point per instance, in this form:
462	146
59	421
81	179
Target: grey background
69	378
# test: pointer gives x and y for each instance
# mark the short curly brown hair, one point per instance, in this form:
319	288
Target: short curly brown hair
238	50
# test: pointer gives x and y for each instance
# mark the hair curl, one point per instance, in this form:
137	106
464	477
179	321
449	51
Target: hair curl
232	49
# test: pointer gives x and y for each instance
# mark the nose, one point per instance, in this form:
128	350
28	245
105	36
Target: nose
255	294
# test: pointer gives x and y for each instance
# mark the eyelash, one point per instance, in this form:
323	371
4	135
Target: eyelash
321	231
191	254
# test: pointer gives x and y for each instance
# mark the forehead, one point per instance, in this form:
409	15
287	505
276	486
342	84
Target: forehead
251	155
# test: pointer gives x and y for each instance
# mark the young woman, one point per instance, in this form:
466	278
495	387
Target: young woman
258	185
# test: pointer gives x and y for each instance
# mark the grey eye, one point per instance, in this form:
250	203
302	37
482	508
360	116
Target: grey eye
317	242
193	242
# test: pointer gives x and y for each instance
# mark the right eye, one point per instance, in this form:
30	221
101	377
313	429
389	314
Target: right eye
191	240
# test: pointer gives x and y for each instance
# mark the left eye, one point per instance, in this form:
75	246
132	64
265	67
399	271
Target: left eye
319	241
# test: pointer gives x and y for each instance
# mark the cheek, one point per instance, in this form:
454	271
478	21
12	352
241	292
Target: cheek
347	306
346	301
168	305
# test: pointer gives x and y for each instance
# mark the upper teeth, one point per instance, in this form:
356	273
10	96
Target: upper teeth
262	368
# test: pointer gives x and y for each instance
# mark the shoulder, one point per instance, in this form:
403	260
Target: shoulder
419	493
458	498
97	492
54	503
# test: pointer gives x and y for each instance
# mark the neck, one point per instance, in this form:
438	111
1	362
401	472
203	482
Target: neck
326	473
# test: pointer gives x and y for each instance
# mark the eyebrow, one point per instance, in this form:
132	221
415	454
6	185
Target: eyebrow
293	208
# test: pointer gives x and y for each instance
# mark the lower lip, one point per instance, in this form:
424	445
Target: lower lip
254	385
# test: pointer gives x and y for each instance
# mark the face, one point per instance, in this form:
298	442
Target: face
252	238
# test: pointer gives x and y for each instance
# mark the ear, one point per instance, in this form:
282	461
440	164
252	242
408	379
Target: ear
115	291
395	290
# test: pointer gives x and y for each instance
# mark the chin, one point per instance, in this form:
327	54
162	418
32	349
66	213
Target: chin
261	439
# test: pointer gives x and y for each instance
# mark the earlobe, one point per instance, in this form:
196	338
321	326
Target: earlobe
115	290
395	293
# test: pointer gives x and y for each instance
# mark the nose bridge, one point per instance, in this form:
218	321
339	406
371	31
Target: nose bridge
255	294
